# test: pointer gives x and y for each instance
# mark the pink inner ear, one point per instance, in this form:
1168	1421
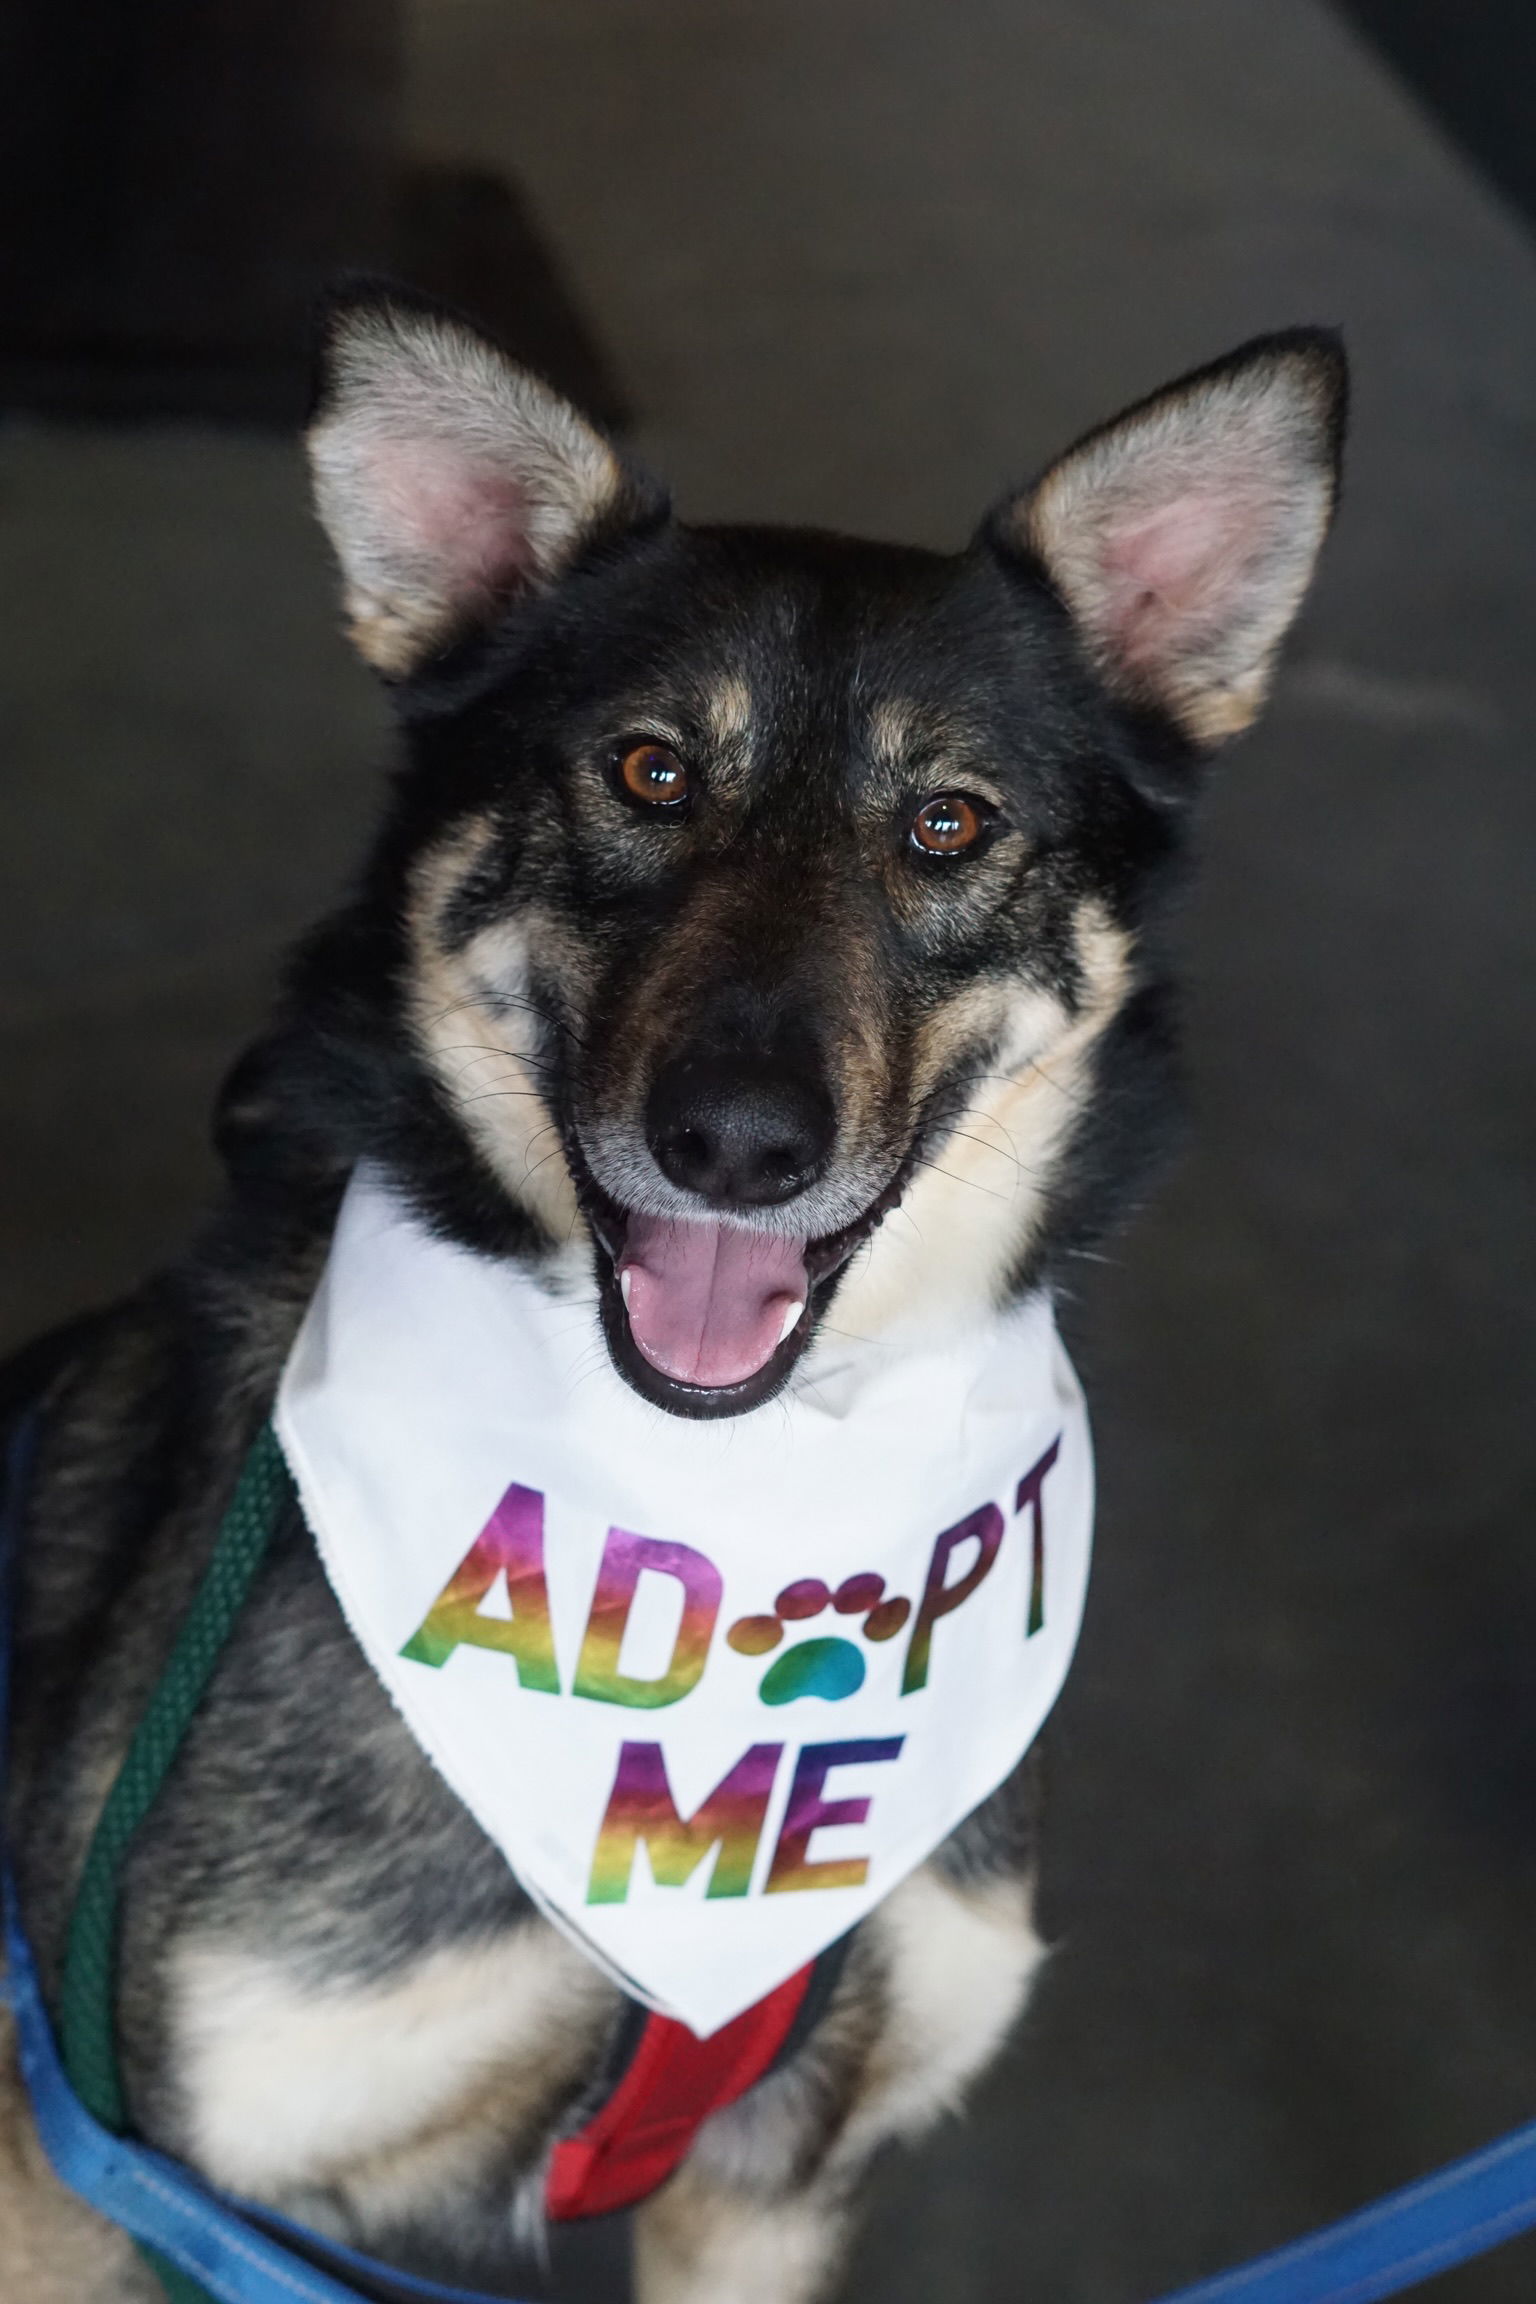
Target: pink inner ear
1171	574
464	522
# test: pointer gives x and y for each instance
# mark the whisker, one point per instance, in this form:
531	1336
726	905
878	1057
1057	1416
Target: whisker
533	1139
1073	1095
544	1163
1013	1149
964	1136
938	1170
476	1051
512	1000
484	1095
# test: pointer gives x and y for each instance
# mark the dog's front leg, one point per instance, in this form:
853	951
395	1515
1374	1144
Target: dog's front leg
936	1977
702	2241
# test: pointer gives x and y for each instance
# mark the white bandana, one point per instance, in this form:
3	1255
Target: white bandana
712	1688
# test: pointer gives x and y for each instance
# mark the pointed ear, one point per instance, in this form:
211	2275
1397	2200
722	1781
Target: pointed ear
447	479
1182	535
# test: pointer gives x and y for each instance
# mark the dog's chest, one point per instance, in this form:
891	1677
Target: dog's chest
384	2092
383	2105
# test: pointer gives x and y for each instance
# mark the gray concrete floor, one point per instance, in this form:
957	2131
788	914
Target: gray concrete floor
860	261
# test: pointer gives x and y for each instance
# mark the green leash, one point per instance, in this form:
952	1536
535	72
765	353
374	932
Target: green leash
88	1993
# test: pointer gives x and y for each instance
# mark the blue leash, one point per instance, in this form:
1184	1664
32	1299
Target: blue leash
1460	2212
1449	2217
1445	2219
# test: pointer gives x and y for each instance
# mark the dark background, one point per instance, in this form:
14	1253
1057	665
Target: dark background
860	261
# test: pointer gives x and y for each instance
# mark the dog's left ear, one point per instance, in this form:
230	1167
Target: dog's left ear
448	479
1182	535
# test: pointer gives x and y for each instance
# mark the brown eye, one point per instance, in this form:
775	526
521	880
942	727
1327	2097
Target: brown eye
652	774
947	824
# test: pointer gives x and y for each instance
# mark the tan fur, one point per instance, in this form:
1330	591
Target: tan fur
912	739
696	2243
484	1057
734	2226
969	1216
730	711
959	1963
890	730
390	2091
859	1054
396	2095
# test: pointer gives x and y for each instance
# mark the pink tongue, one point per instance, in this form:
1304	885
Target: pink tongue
707	1303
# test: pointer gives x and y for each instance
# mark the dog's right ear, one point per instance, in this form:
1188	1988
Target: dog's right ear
448	479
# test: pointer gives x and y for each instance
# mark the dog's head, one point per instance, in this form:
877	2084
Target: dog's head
762	917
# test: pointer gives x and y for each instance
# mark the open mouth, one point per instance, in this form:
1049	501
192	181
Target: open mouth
707	1318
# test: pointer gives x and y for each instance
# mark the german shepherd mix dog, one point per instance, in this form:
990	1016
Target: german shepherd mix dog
786	884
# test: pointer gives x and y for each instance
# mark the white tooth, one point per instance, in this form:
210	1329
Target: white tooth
626	1282
790	1319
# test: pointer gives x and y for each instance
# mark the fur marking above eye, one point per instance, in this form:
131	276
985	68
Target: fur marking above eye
653	775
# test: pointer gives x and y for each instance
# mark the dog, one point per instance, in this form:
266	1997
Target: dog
797	896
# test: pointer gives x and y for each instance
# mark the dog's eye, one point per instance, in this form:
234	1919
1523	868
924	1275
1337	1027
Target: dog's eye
948	824
653	775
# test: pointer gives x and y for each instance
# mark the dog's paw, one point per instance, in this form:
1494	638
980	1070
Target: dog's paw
830	1667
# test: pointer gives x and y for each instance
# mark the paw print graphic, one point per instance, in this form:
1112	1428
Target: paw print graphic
830	1666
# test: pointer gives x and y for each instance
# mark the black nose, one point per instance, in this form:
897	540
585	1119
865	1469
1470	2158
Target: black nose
741	1132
